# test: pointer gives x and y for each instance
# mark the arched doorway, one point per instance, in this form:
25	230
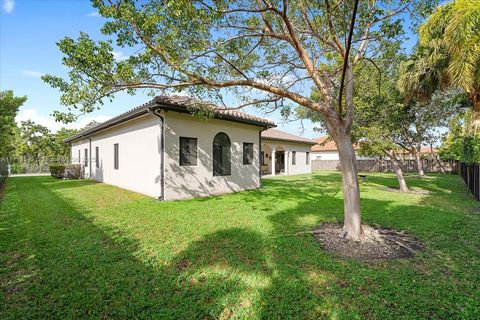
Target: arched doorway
221	155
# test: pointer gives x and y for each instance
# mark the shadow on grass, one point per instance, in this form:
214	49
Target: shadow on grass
60	264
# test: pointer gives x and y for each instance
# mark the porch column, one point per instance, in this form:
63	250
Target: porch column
287	162
272	158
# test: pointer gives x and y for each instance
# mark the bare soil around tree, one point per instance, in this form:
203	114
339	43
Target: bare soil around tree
379	243
410	190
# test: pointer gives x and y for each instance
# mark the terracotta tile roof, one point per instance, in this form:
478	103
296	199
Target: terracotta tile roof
180	104
274	134
427	150
323	145
193	104
423	149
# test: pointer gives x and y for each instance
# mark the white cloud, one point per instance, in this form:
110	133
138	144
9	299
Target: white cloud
31	73
119	56
50	123
8	5
93	14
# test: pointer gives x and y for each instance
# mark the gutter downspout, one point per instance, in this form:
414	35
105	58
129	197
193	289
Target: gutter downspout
162	152
260	155
90	158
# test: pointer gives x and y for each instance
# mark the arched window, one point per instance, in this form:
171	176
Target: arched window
221	155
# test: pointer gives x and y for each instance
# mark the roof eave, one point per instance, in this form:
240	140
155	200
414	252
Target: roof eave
110	123
176	108
154	105
290	140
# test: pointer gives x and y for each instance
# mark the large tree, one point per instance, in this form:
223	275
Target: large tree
263	52
9	105
34	143
61	150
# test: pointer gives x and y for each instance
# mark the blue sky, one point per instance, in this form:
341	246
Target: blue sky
29	30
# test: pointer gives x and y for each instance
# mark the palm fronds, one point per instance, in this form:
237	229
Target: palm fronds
455	26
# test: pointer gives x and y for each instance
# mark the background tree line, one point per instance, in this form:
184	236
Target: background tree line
29	145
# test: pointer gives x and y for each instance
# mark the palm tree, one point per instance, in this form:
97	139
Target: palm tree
419	77
423	73
452	35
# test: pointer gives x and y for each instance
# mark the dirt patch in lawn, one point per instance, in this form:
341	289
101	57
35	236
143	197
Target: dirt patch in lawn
396	189
379	243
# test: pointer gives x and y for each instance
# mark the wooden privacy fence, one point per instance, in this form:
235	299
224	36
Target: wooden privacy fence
429	165
470	173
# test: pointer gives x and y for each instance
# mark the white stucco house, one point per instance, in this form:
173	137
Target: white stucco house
166	149
289	153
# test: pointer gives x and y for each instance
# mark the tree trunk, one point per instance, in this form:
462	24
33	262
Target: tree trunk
352	227
440	164
402	184
419	161
476	114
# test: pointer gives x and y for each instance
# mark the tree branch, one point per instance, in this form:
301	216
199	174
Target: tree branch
346	57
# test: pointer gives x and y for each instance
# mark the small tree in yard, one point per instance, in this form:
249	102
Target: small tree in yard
430	103
382	117
264	52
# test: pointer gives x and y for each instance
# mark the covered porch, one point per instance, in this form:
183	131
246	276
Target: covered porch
275	159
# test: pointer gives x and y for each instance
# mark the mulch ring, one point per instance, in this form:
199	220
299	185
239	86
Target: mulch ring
396	189
379	243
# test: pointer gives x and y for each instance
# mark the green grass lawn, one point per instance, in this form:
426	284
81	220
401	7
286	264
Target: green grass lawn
79	249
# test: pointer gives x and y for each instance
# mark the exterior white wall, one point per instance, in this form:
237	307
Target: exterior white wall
333	155
325	155
139	155
79	145
197	181
301	166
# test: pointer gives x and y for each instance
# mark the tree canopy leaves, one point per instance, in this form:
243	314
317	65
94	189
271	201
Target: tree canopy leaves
9	105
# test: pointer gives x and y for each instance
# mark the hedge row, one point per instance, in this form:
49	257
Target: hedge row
68	171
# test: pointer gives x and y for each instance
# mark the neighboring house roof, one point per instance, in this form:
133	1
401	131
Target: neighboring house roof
428	150
423	149
330	145
323	145
274	134
181	104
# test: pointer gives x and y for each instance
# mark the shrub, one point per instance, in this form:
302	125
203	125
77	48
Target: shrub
57	170
73	171
17	168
